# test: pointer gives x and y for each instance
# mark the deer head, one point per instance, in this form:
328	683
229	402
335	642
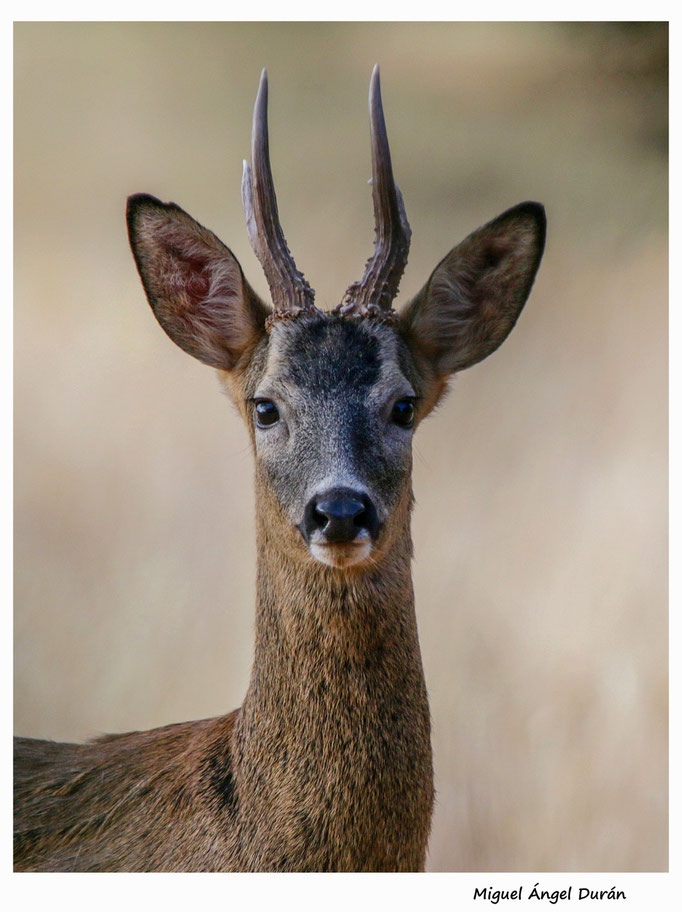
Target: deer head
332	399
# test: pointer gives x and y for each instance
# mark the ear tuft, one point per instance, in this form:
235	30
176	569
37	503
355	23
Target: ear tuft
194	283
475	295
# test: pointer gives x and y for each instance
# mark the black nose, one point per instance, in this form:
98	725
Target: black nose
340	514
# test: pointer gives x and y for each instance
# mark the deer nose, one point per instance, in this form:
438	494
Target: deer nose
340	515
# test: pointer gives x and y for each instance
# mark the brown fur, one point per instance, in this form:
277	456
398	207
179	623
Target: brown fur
326	767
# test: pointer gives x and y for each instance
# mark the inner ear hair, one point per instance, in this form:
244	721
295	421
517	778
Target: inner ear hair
474	296
194	283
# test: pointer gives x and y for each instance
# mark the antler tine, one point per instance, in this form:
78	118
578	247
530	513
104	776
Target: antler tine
290	291
384	269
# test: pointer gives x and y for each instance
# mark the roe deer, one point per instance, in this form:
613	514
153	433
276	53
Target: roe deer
327	764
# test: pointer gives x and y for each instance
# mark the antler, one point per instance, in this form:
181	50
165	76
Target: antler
290	292
384	269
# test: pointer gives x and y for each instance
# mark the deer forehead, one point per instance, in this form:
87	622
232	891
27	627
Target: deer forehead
335	358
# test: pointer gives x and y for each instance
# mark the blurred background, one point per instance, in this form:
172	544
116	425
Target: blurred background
541	521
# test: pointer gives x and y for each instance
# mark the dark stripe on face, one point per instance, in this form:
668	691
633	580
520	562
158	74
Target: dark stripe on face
330	355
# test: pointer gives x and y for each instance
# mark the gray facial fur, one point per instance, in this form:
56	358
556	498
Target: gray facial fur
334	381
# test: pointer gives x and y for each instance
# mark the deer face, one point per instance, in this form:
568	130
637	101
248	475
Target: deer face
331	400
332	409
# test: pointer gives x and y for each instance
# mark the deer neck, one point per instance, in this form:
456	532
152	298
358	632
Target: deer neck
337	703
314	611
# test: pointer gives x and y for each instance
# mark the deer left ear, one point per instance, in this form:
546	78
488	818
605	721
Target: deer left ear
194	284
475	295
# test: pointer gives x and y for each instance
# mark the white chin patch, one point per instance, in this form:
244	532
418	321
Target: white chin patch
341	555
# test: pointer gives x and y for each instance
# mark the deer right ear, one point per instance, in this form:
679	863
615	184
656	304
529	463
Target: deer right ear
194	284
474	296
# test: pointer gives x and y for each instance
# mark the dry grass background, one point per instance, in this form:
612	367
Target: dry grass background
541	484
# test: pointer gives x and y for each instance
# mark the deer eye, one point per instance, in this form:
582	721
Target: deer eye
266	413
403	413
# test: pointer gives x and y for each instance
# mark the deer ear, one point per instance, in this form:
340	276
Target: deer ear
194	283
475	295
